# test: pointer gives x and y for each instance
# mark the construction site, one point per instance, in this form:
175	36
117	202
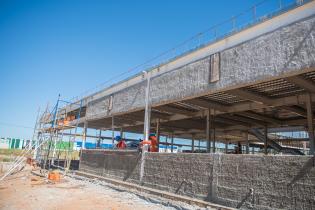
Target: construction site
225	124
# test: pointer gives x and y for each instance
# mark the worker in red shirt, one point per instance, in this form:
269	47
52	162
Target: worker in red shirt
154	147
121	143
152	143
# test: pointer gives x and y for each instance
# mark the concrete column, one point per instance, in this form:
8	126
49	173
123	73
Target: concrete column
247	143
192	143
266	141
310	124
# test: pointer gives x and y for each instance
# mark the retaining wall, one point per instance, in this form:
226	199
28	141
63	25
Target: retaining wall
244	181
115	164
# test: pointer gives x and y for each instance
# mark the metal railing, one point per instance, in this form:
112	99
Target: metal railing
258	13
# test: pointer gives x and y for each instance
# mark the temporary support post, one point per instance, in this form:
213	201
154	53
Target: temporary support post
213	140
213	132
98	145
147	110
166	141
121	132
84	134
172	143
310	124
192	143
158	132
147	120
208	133
113	132
265	140
247	143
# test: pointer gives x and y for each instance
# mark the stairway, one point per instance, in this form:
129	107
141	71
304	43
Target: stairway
261	137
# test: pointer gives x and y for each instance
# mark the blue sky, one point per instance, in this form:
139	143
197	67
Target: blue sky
67	47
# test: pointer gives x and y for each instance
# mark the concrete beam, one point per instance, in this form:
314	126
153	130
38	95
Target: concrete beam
261	117
251	96
241	107
206	104
295	109
302	83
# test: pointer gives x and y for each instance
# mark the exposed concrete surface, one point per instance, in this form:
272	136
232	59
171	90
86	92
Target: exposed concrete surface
116	164
285	50
244	181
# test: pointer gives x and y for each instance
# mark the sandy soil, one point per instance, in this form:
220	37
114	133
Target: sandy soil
24	190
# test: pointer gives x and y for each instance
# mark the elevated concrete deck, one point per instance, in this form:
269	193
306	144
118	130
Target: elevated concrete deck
260	77
253	48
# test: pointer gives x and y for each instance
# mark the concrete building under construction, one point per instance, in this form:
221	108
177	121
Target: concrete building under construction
246	88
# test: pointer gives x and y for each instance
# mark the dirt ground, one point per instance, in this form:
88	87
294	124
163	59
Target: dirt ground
24	190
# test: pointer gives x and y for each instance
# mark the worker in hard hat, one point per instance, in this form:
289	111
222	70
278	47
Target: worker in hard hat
154	147
121	143
152	143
